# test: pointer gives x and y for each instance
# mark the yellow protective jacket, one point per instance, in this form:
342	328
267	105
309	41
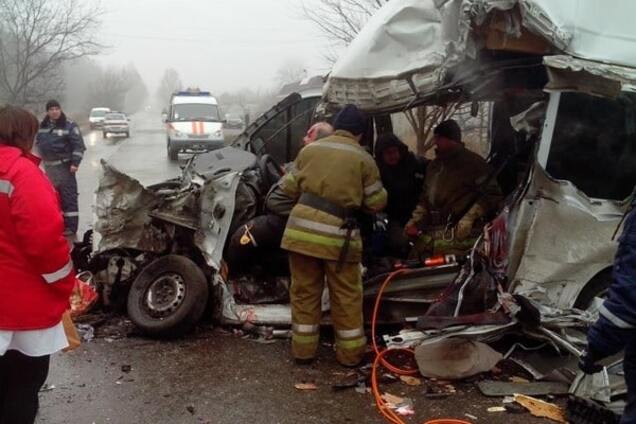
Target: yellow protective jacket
451	184
339	170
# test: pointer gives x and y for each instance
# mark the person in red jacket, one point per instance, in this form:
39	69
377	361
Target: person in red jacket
36	272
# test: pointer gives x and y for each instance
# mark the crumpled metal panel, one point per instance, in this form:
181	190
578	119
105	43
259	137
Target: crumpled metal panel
421	40
553	268
622	74
217	200
122	208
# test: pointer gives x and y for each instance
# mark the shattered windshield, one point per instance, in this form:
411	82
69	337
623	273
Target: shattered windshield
195	112
594	144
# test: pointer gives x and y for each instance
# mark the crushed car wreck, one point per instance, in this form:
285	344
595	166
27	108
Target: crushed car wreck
562	137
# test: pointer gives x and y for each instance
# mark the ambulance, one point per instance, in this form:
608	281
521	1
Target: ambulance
193	123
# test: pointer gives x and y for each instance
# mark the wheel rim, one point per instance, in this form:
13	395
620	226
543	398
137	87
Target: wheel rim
164	295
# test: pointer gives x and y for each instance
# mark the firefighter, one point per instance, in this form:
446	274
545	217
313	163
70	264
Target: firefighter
615	329
60	144
459	193
332	179
260	237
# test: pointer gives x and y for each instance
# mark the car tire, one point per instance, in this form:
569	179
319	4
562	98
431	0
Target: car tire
168	297
173	154
596	287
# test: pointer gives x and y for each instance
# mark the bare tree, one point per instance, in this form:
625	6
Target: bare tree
110	89
290	71
340	20
170	82
37	37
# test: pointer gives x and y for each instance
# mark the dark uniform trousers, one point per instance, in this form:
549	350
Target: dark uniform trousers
65	183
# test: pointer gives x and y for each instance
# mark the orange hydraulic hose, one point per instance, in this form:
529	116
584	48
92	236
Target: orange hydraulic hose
386	412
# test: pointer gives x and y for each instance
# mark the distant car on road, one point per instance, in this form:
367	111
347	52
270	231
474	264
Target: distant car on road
115	123
233	122
96	117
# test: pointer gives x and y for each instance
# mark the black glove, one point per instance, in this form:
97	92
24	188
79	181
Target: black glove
588	363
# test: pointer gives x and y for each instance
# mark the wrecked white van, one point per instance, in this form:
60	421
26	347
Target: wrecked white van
563	118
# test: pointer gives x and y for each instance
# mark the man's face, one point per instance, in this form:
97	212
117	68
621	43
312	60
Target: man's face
391	156
54	113
443	144
310	135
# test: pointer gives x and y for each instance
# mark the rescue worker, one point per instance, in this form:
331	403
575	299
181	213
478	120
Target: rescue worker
402	175
332	178
60	144
459	193
615	329
260	237
36	271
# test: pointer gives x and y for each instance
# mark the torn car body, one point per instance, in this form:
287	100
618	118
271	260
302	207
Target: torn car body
561	89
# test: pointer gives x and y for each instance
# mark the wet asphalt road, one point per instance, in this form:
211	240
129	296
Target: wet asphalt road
210	376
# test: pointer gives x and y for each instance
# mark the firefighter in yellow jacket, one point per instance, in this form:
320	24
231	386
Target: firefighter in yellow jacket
332	179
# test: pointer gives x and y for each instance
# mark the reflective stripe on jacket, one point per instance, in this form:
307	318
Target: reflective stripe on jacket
36	273
60	141
339	170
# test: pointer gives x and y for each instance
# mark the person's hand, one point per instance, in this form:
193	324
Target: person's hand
463	228
411	230
588	363
73	169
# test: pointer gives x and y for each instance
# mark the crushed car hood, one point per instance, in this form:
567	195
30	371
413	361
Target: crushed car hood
411	48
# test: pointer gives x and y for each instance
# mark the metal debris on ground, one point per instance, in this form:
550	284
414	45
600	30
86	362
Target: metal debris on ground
86	332
541	409
503	388
401	405
305	386
455	358
411	381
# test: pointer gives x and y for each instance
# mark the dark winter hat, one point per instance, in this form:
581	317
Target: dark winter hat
52	103
351	119
387	140
449	129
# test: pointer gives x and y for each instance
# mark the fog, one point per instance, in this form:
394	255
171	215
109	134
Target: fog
220	45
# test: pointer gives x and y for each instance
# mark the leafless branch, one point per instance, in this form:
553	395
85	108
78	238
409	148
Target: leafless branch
339	21
38	37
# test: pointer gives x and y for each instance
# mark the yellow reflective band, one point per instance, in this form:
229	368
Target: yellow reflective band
305	328
351	344
305	339
373	188
348	334
318	239
378	198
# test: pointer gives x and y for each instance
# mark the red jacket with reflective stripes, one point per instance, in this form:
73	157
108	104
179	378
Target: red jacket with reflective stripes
36	272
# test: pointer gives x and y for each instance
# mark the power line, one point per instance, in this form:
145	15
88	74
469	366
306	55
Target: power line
207	41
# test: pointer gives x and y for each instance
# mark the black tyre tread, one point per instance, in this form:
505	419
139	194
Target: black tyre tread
173	154
597	284
583	411
188	314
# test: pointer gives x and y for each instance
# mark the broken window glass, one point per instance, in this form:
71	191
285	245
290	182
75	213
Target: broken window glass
594	144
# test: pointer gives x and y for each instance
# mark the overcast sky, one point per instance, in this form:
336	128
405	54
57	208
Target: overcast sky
221	45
